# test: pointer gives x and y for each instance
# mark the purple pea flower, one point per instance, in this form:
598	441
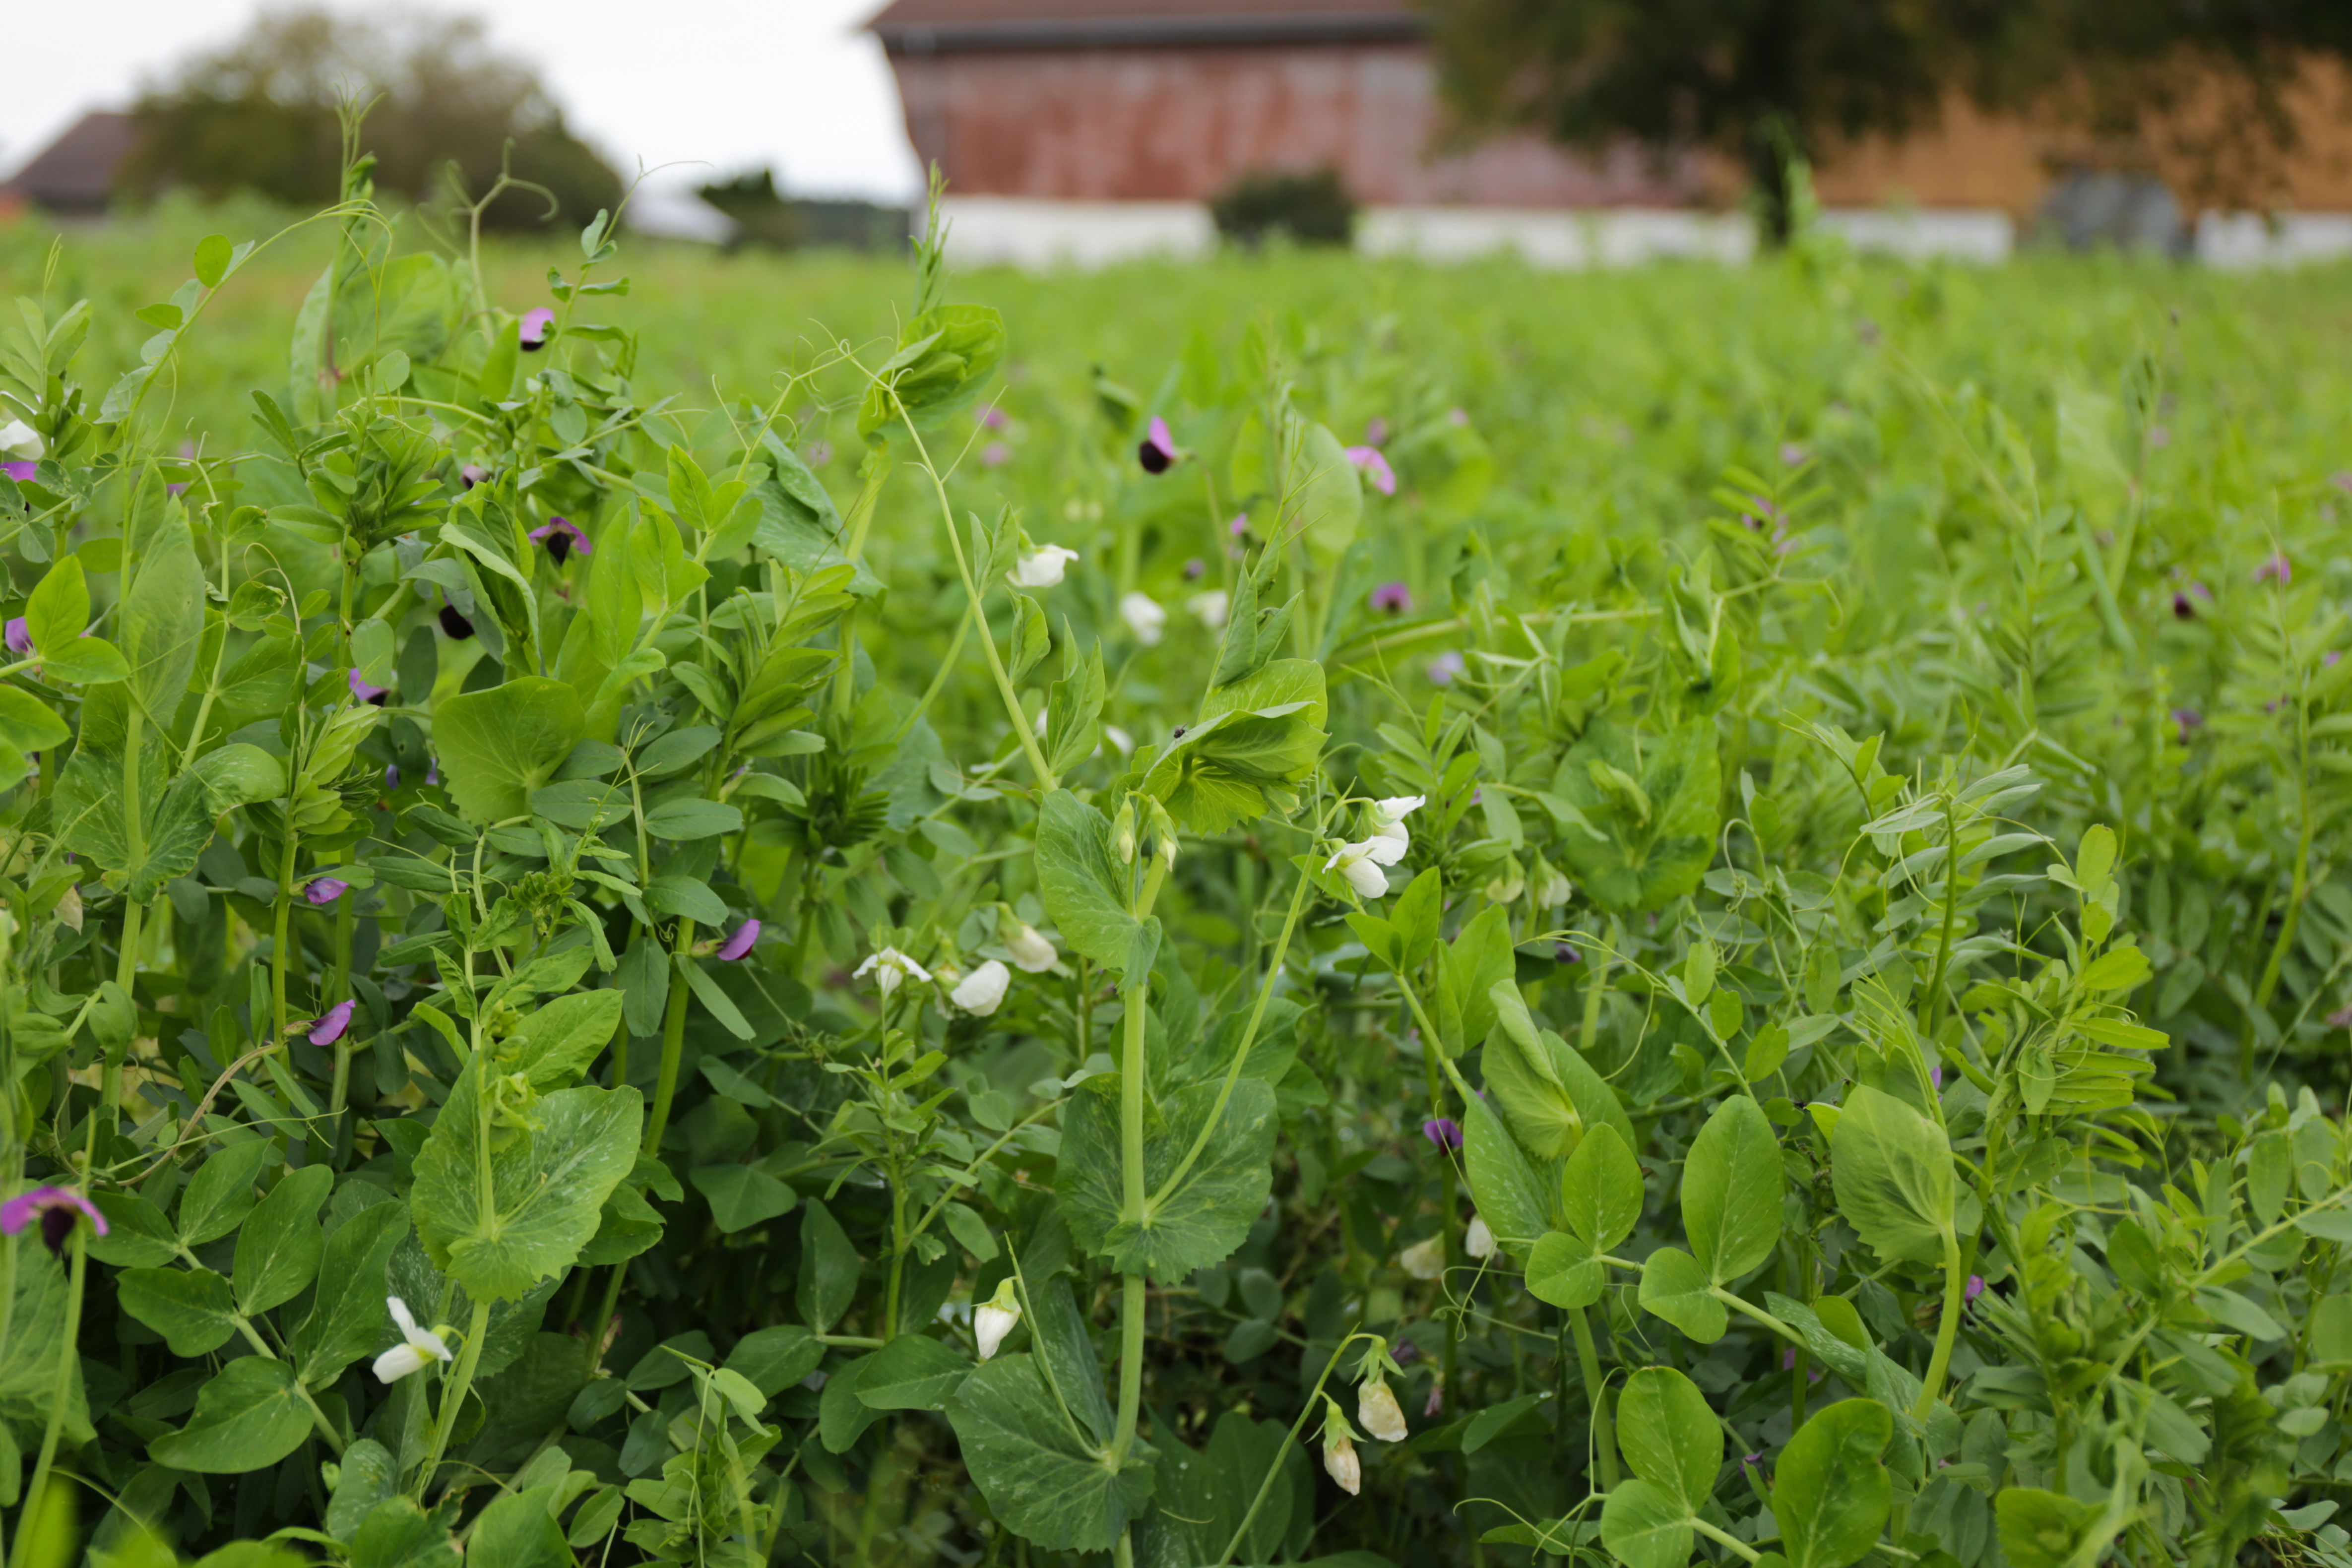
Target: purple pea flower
2190	722
432	771
1436	1404
454	622
534	329
329	1027
471	474
739	944
1936	1077
1975	1288
1157	452
1239	526
20	640
992	418
2278	566
1393	598
324	891
995	454
1792	455
2159	436
1195	568
1446	667
2329	658
1445	1132
1457	415
56	1207
1562	953
561	536
367	692
392	775
1375	466
21	472
2184	601
1376	431
1405	1353
2341	1017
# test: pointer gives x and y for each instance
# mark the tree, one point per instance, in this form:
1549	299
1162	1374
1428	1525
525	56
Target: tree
1759	80
261	114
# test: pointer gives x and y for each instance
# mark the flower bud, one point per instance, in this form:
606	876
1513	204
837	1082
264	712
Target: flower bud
995	1318
1163	835
1031	951
1122	834
1424	1259
1376	1407
1478	1241
1340	1459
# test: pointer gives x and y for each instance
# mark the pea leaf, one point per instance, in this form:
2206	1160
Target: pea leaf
1512	1199
1561	1269
1652	808
347	1318
1669	1435
1675	1287
278	1247
1082	882
193	1309
1548	1093
1830	1493
912	1373
1892	1170
828	1267
1198	1224
220	1195
1731	1190
498	745
248	1418
1644	1526
1042	1478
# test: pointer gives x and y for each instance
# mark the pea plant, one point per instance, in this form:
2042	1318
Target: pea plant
560	1008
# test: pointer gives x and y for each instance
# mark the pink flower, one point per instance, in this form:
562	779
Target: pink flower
367	692
996	454
329	1027
534	329
1393	598
1195	568
992	418
1444	668
56	1207
1377	431
20	472
2278	566
561	536
1792	455
471	474
739	944
325	889
1976	1287
2189	720
1157	452
1457	415
1375	466
1239	526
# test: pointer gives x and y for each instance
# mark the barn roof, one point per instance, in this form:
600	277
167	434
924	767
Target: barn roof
927	26
75	173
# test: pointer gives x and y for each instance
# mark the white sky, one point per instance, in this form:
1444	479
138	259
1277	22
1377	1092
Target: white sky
735	83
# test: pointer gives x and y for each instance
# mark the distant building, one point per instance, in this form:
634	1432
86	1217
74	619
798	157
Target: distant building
75	174
1082	130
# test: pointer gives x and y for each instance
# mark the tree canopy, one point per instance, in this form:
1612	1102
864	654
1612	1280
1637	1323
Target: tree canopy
261	114
2204	81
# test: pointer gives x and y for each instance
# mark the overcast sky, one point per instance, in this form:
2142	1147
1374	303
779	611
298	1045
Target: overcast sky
791	84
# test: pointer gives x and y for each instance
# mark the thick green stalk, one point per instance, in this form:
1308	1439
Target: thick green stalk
673	1041
1947	1327
1596	1394
69	1347
453	1396
1134	1201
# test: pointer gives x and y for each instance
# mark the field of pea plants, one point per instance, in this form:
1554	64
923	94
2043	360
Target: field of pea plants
659	907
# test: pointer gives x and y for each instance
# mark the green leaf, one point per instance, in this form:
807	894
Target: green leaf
1512	1199
1600	1189
1675	1287
1830	1493
742	1196
548	1185
36	1332
690	817
193	1309
773	1359
561	1037
1731	1191
1202	1221
26	724
498	745
1546	1089
1042	1478
1082	882
2041	1529
368	1477
278	1247
249	1417
162	617
137	1236
912	1373
1892	1169
1561	1269
1644	1526
828	1281
396	1534
347	1317
945	357
520	1530
59	608
1205	1497
1304	468
1669	1435
1653	804
1469	967
220	1195
1256	741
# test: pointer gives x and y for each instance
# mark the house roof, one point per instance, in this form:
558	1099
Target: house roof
928	26
75	173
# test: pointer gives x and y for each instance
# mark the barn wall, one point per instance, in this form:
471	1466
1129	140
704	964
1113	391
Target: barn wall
1179	123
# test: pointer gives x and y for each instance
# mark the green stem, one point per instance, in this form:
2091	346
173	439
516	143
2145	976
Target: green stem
453	1396
1596	1393
1947	1328
1724	1538
673	1041
1130	1365
1307	1406
280	930
68	1350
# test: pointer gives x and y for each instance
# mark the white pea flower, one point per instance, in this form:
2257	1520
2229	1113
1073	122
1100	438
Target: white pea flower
994	1319
1361	865
982	989
1032	952
419	1347
1506	887
1424	1259
1212	607
1041	568
888	968
18	439
1121	742
1478	1241
1144	617
1388	822
1552	890
1340	1459
1376	1407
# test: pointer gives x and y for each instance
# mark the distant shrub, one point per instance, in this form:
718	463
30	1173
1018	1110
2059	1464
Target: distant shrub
765	216
1311	208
